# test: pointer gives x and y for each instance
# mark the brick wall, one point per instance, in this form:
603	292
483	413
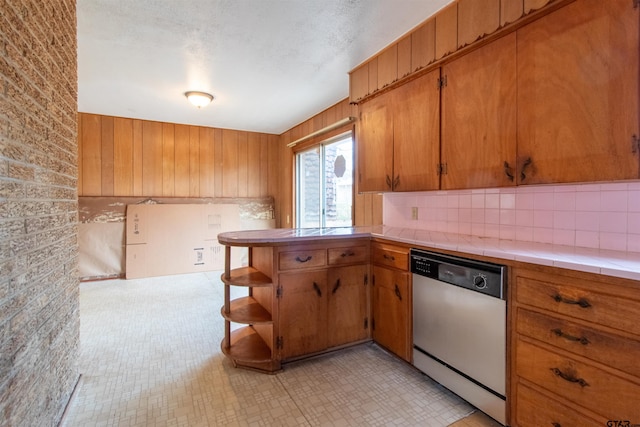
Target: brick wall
39	322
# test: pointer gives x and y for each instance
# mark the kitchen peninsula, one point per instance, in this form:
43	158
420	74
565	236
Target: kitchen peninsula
315	290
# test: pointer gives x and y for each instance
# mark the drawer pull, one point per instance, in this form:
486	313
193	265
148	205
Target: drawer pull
389	257
335	288
398	294
554	424
308	258
569	378
581	340
582	302
317	289
347	253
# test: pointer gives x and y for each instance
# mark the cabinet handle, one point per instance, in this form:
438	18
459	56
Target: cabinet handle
525	165
507	171
303	260
581	340
569	378
389	184
317	289
554	424
347	253
398	294
335	288
389	257
582	302
396	181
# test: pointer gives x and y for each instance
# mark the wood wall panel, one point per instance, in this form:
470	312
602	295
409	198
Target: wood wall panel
91	155
217	159
130	157
168	160
123	156
447	30
137	158
182	148
510	11
80	168
152	158
107	155
229	163
243	170
194	162
207	185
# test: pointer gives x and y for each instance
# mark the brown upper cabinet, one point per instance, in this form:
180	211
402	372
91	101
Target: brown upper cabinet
398	138
478	144
554	101
578	94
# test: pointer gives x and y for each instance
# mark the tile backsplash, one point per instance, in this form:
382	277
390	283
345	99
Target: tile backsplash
604	216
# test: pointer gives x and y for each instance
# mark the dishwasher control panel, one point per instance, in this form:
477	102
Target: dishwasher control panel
479	276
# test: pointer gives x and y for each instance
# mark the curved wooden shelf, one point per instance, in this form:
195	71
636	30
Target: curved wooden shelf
248	311
246	347
246	276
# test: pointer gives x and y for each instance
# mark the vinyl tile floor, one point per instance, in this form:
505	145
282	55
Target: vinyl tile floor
150	356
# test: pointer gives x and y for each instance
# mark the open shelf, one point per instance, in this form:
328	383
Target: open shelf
246	310
246	347
246	276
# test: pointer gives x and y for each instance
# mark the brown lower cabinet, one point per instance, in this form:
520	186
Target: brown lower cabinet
391	299
575	349
322	309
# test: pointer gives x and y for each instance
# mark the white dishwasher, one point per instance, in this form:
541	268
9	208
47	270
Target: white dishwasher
459	327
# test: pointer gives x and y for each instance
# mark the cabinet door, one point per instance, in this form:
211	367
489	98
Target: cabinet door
416	134
347	305
374	140
391	311
479	117
578	94
303	313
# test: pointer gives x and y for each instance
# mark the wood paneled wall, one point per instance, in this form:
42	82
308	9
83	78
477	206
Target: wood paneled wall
131	157
121	157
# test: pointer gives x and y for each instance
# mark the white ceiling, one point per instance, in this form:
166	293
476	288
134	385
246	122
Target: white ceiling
270	64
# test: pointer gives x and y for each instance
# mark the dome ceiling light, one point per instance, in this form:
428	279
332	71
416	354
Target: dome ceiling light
199	99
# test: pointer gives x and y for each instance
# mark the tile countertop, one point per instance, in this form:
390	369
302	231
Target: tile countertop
609	263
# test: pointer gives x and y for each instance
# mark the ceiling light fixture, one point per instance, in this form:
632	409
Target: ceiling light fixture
199	99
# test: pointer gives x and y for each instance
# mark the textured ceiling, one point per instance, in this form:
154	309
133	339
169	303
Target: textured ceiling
270	64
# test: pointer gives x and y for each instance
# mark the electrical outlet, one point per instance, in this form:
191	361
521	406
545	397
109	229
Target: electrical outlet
414	213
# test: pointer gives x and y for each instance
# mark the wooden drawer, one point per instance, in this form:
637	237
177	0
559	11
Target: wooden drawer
391	256
611	396
582	303
348	255
609	349
536	409
302	259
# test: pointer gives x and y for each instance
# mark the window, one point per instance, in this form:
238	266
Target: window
324	184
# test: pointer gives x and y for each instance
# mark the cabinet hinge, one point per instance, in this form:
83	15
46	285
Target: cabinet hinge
636	3
279	342
373	280
442	168
279	292
366	322
635	141
366	279
442	82
373	324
